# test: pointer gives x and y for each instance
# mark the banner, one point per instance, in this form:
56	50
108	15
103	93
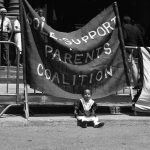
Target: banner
143	102
63	64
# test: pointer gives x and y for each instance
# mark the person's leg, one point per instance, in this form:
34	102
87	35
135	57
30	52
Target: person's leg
134	70
82	121
96	122
5	50
17	40
5	54
133	67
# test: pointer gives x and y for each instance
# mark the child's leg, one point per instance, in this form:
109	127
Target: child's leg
93	118
82	121
82	118
96	122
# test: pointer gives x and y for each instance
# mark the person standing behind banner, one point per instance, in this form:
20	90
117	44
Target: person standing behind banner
132	37
17	35
5	30
40	12
132	34
84	111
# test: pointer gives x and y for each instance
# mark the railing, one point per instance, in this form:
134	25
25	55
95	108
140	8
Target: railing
124	91
4	75
17	65
20	91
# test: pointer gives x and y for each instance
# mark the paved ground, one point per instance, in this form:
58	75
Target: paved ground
60	132
10	120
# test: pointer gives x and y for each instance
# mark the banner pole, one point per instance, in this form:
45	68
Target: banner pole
26	106
122	44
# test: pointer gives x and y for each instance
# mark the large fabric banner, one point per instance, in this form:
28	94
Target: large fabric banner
143	102
63	64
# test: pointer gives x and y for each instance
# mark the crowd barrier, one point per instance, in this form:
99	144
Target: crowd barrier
15	93
10	80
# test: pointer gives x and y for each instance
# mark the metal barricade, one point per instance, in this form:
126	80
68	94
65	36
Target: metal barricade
19	95
9	78
127	90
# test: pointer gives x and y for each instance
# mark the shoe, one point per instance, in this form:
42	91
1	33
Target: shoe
84	124
101	124
79	123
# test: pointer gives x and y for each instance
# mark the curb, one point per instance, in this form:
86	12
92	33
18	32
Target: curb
57	119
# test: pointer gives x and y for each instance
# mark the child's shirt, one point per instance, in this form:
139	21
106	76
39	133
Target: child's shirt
84	108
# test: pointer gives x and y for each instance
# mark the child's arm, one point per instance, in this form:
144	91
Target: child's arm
76	109
94	108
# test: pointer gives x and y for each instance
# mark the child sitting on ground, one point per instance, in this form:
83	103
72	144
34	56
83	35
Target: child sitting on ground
84	111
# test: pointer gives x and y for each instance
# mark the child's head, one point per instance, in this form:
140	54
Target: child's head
87	94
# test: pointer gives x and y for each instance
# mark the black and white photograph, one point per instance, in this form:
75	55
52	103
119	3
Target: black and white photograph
74	75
